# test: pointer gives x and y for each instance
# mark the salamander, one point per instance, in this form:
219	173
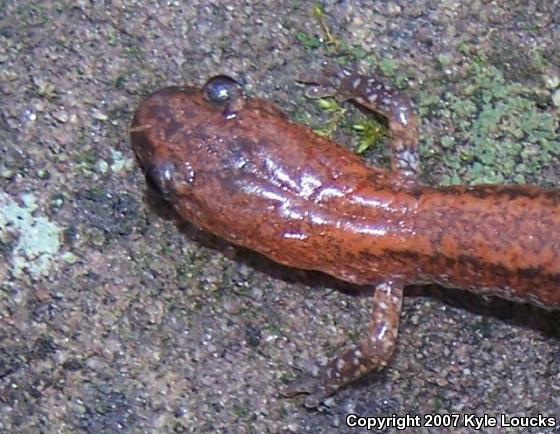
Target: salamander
239	168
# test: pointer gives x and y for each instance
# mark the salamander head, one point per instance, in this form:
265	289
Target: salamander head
208	150
174	132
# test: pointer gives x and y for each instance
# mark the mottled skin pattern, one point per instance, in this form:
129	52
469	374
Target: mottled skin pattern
241	170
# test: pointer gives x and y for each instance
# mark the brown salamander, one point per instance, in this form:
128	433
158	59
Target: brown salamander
238	168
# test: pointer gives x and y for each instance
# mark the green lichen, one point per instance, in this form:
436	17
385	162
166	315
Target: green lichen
501	132
388	67
37	238
119	162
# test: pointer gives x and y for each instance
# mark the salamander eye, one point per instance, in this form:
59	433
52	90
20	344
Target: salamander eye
225	91
221	89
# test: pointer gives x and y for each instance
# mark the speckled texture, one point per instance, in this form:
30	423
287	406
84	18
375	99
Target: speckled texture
141	327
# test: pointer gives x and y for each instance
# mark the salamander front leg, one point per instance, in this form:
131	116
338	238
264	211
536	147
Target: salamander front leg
369	354
379	97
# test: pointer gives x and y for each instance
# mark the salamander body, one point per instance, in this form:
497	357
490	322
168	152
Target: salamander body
241	170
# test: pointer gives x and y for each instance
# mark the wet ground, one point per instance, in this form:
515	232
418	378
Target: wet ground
117	318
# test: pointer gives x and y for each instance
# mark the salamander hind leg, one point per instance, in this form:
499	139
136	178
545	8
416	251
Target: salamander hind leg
379	97
369	354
